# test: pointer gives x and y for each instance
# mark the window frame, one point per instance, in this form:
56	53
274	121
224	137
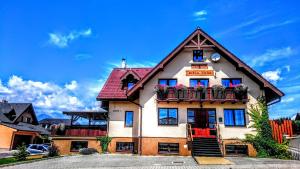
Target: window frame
167	117
230	81
165	152
74	150
131	151
202	56
168	81
190	109
198	80
234	125
237	147
125	125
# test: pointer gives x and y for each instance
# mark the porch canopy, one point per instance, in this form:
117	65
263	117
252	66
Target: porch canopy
99	114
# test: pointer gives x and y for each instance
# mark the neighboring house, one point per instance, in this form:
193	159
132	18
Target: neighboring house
191	122
48	122
18	124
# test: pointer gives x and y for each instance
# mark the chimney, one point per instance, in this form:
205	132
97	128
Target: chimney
123	64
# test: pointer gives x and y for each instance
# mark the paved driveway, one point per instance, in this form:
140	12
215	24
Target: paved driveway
146	162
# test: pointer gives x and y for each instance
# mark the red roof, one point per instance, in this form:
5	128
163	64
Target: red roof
112	88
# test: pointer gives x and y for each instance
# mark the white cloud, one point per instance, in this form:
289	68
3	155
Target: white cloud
63	40
288	99
270	55
272	76
200	15
49	97
267	27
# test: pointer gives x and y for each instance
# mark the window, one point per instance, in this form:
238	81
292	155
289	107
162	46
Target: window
198	56
168	82
234	117
28	120
191	116
124	146
130	85
168	148
167	116
76	145
196	82
128	118
236	149
211	118
231	82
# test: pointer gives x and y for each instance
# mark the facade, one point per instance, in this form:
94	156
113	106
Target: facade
18	124
194	102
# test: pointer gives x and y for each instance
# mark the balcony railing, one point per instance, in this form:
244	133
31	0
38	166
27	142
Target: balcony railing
81	131
206	95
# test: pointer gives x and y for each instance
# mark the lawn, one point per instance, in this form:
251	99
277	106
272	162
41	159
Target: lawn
7	160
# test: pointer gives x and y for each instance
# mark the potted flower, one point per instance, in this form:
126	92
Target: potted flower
180	91
200	91
161	90
218	91
240	91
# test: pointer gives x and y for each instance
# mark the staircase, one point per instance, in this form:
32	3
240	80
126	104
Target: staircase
206	147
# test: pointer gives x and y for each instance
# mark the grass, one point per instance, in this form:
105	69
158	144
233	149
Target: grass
7	160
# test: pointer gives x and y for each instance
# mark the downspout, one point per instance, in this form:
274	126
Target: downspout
141	117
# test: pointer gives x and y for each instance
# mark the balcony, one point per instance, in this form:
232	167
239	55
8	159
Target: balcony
81	131
207	95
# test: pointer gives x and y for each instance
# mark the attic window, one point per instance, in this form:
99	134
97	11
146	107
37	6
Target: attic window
198	56
129	82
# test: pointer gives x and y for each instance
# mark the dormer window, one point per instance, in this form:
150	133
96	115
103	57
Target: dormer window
198	56
129	79
130	85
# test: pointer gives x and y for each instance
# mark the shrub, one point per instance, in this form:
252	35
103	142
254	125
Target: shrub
104	142
161	90
21	153
87	151
263	142
53	151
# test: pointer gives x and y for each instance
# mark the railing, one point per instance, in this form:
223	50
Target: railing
81	131
189	132
190	94
219	137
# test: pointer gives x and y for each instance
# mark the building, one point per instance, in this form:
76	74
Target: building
193	102
18	124
85	126
48	122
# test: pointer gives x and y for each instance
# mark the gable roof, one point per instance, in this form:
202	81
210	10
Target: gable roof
193	41
112	88
18	108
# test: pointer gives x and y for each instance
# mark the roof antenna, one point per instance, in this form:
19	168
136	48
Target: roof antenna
123	63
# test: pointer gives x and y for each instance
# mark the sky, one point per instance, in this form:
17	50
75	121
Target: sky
57	54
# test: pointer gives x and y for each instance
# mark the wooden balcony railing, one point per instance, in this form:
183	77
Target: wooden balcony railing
81	131
207	95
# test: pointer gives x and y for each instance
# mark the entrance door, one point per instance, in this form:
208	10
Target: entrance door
202	121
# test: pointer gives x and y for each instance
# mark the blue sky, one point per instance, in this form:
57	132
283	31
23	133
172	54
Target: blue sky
57	54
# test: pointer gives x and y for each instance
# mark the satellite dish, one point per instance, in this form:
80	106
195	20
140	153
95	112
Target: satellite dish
215	57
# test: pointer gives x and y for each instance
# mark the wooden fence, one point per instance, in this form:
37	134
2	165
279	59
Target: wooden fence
280	128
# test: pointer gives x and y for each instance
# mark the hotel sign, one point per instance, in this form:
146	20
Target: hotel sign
199	73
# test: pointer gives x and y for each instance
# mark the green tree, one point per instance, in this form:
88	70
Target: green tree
263	142
104	142
21	153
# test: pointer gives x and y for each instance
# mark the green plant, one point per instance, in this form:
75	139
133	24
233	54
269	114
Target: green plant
200	91
263	142
218	91
161	90
21	153
240	91
180	91
104	142
87	151
53	151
